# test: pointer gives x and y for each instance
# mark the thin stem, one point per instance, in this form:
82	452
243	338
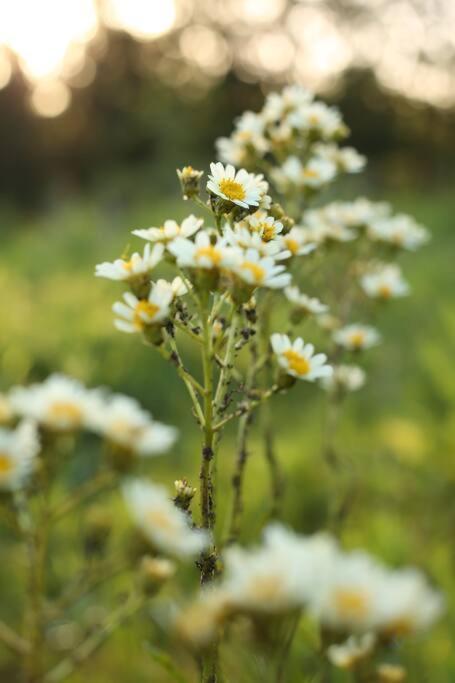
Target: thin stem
227	361
238	476
189	381
13	640
276	476
207	504
281	669
246	408
67	666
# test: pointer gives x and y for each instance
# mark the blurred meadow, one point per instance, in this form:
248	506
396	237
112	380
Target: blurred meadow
75	179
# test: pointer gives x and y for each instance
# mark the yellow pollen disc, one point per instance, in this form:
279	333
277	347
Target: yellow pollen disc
266	588
292	245
257	271
144	307
124	429
385	291
161	520
297	362
6	464
211	253
310	173
357	339
65	411
232	190
314	119
351	603
128	265
268	232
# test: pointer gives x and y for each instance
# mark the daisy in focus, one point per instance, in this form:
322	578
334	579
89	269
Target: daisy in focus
18	452
135	267
137	314
165	526
356	337
297	359
385	282
170	230
239	187
59	403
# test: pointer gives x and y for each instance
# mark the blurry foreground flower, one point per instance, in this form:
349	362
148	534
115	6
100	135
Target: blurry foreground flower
18	451
348	654
165	526
356	337
400	231
345	378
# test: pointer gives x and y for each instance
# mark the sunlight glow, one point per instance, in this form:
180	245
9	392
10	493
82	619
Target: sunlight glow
144	19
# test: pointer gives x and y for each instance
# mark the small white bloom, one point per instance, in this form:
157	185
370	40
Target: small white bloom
314	174
243	238
59	403
202	253
278	105
345	377
239	187
177	287
317	117
259	271
136	314
297	358
266	226
356	336
162	523
348	654
171	229
18	450
385	282
122	421
399	231
298	241
308	304
136	266
347	159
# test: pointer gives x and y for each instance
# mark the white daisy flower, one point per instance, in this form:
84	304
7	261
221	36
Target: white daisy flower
239	187
259	271
308	304
346	378
59	403
358	213
348	654
409	604
298	241
319	118
202	253
314	174
385	282
347	159
165	526
122	421
297	358
177	287
266	226
244	239
18	450
356	336
135	267
136	314
399	231
291	98
170	230
232	150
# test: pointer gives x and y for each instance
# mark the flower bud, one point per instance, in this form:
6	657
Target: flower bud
184	494
190	181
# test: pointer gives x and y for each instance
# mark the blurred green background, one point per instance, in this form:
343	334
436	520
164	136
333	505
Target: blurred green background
75	181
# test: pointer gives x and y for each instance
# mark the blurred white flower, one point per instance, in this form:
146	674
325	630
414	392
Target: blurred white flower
305	303
18	450
59	403
6	410
384	282
165	526
170	230
297	358
259	271
318	118
345	377
348	654
355	337
400	231
239	187
136	266
346	159
293	174
137	314
298	241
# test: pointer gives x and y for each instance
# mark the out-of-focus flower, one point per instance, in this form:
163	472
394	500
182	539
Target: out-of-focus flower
121	421
295	175
59	403
307	304
346	159
391	673
345	378
6	411
135	267
137	314
165	526
384	282
355	649
318	119
297	358
239	187
170	230
298	241
291	98
399	231
18	450
356	337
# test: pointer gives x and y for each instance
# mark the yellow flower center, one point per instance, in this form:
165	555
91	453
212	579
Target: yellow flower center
210	252
266	588
297	362
144	307
128	266
257	271
65	411
6	465
122	429
292	245
232	190
385	291
161	520
310	173
351	604
357	339
268	232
